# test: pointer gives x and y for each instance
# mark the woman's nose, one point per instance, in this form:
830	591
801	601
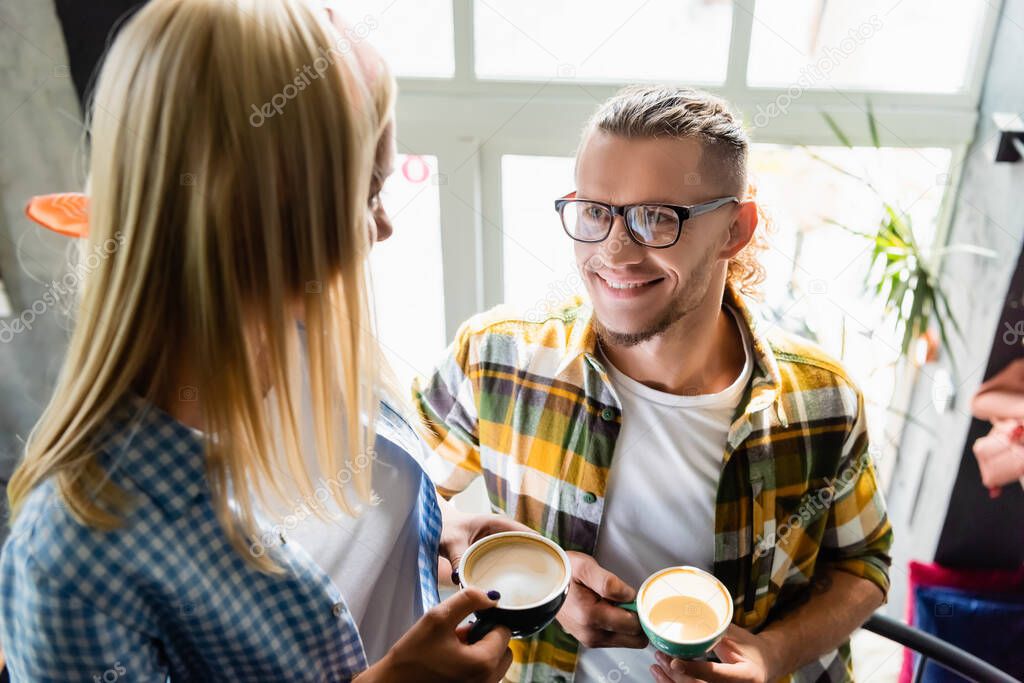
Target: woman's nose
383	222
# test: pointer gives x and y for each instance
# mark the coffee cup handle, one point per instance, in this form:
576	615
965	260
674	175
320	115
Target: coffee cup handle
480	628
631	605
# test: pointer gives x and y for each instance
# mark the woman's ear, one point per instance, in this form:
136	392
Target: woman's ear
742	228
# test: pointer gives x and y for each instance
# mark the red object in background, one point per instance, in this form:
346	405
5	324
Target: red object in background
980	580
66	213
415	169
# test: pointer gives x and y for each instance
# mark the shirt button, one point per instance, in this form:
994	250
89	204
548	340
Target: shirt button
589	497
607	414
338	609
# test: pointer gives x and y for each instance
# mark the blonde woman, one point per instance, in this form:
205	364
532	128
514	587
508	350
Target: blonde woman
138	511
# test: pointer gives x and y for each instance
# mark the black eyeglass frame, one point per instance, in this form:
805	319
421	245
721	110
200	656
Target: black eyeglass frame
683	213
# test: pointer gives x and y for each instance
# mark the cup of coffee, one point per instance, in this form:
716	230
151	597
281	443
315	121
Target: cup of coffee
683	610
532	574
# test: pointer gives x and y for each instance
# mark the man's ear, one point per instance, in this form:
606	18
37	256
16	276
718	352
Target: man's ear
741	231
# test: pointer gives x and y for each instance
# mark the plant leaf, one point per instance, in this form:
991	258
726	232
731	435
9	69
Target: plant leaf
873	126
836	130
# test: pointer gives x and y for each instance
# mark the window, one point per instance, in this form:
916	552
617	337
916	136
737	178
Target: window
913	45
406	270
539	269
635	39
414	37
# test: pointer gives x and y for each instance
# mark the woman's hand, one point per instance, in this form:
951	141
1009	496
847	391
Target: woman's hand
462	529
435	649
1000	455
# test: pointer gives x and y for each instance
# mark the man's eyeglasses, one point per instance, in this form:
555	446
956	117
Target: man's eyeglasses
651	225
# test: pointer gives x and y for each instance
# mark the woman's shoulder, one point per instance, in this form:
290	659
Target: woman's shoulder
47	539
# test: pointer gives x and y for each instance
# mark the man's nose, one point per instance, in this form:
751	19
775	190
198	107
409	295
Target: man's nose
619	249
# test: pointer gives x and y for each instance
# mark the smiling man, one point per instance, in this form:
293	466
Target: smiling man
653	424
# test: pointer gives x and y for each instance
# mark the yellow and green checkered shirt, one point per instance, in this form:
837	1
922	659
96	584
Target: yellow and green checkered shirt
528	405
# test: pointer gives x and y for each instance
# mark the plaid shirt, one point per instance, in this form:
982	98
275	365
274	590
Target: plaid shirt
165	596
530	407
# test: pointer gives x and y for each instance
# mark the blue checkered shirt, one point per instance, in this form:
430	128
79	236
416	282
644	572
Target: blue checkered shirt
165	596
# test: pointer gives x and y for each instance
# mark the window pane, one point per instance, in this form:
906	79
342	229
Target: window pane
414	37
538	256
816	270
653	40
407	274
912	45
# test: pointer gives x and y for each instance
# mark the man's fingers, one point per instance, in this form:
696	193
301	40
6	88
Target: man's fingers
587	571
728	651
606	617
456	608
598	638
495	523
659	674
663	675
710	671
736	632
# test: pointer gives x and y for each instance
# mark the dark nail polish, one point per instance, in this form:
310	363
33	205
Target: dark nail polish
455	578
493	595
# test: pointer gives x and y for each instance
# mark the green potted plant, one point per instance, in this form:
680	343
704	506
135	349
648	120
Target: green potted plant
903	274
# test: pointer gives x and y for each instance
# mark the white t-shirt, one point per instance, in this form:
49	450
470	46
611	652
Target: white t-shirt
659	508
373	557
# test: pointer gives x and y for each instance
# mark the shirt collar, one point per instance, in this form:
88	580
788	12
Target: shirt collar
766	381
163	458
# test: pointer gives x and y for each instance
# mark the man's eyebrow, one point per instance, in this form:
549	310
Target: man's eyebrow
670	202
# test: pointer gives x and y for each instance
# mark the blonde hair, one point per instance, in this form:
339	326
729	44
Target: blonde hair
653	111
227	222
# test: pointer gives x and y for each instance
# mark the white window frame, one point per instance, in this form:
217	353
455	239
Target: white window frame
470	123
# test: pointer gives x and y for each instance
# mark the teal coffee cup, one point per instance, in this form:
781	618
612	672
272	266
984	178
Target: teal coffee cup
683	610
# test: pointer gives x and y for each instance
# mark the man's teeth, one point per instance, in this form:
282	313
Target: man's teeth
625	285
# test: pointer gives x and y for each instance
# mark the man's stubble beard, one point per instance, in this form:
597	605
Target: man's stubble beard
691	297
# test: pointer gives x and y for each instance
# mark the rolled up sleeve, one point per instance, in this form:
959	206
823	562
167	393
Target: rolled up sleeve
858	534
447	405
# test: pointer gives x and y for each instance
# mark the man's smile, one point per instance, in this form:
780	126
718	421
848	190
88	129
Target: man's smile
622	286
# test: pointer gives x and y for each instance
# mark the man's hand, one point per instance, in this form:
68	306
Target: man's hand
588	614
461	530
746	658
837	604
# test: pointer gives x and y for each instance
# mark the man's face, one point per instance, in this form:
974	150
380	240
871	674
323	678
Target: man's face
639	292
